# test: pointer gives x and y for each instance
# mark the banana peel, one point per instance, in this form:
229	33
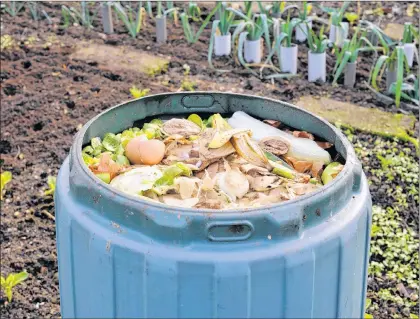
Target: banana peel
249	150
220	138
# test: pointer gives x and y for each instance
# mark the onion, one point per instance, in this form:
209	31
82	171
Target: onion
300	148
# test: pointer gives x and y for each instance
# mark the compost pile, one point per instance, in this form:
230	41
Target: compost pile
215	163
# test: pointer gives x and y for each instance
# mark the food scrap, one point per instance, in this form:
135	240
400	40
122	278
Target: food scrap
213	163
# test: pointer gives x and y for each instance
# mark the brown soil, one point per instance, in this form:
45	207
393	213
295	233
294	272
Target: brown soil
46	96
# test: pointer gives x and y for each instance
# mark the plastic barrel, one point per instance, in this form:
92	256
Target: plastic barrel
122	257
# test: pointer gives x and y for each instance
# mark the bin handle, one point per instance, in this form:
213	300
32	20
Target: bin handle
238	230
198	101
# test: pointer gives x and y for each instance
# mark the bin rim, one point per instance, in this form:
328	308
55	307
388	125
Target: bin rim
346	175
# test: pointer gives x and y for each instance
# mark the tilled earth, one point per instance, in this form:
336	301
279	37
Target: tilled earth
46	96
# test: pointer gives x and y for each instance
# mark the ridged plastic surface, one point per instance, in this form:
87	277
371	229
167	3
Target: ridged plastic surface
120	257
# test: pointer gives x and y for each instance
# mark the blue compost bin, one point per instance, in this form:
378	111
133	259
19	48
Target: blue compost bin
123	257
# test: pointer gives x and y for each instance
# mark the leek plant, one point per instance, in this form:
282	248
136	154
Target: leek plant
14	7
283	38
317	43
227	19
394	62
287	28
256	26
336	14
385	41
220	27
83	17
248	9
149	9
303	14
409	89
410	34
350	52
194	11
305	23
33	8
278	8
161	12
338	29
174	13
251	30
188	32
132	24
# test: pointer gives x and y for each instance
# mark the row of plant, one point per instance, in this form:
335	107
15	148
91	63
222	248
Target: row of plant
253	29
243	34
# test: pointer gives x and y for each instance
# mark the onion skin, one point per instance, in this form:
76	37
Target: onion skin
300	148
249	151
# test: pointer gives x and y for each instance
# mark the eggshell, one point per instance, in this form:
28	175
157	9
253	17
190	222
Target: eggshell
139	151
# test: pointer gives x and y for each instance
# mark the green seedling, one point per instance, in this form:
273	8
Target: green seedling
6	177
51	186
11	281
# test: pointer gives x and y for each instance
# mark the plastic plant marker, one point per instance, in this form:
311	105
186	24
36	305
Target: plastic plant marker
252	51
350	74
316	66
161	30
288	57
222	44
107	18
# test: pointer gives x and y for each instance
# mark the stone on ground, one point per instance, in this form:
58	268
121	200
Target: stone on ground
116	58
362	118
394	31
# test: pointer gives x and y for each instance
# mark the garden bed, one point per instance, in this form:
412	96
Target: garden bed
47	94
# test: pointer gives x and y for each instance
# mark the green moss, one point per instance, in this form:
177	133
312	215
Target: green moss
349	116
394	245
